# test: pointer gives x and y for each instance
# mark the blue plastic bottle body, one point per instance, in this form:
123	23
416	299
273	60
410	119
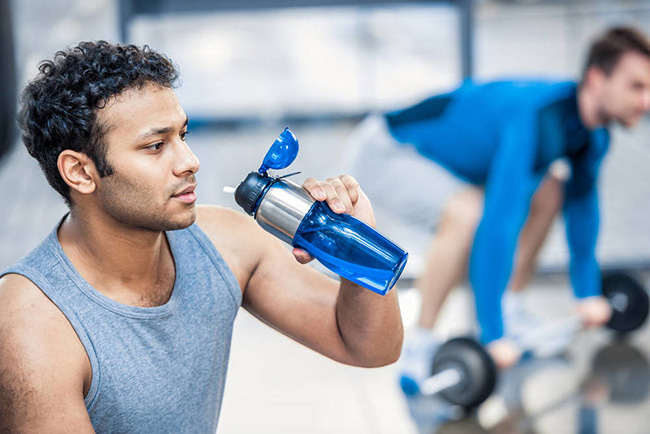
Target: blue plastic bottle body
350	248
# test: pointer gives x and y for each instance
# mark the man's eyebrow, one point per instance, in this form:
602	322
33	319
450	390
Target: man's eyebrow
158	131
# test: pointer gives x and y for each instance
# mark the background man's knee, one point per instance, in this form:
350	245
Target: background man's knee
464	211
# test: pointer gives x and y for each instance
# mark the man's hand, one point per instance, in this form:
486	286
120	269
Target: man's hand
594	311
343	195
504	352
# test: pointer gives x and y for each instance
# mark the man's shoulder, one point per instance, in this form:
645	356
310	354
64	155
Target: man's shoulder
29	320
20	294
217	222
211	212
238	238
25	311
528	92
530	83
516	98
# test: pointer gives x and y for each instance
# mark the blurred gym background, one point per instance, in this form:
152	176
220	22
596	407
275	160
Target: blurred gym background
251	67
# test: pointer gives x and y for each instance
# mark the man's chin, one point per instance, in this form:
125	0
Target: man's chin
631	122
182	221
189	220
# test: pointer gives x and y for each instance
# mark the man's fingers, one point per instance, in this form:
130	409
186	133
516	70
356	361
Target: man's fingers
325	191
342	193
352	186
333	199
315	188
301	256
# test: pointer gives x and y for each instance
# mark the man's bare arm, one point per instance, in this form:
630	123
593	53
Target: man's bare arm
343	321
44	369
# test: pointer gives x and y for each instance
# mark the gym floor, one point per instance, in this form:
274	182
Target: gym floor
277	386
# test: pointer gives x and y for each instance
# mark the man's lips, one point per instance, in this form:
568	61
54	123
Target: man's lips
187	195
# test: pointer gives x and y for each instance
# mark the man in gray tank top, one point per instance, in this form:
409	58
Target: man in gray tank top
121	320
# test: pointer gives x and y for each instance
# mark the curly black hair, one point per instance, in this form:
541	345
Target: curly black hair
59	107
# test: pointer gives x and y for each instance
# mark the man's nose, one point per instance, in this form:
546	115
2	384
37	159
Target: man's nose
185	162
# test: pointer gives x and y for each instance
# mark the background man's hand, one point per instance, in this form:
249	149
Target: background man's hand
594	311
504	352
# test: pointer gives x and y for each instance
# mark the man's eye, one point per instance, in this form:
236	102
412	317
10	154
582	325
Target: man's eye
155	146
184	134
637	85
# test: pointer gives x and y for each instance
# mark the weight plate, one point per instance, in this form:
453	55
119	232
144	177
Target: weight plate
629	300
478	371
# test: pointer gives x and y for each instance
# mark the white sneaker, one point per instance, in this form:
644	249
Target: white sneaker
414	364
520	325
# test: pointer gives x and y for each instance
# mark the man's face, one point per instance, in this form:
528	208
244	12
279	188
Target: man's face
625	93
153	182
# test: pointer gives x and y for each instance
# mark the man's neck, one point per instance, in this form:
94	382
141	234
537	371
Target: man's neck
590	113
132	266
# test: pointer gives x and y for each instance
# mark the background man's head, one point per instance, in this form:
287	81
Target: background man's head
618	72
59	108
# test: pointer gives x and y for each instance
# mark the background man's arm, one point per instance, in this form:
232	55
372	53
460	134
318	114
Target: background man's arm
582	220
509	188
582	217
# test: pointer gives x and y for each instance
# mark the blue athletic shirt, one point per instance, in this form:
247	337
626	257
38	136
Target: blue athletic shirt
503	136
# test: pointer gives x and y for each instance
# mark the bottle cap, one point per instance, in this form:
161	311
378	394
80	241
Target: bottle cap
251	190
281	153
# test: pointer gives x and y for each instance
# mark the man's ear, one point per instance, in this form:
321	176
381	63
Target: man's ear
78	171
595	76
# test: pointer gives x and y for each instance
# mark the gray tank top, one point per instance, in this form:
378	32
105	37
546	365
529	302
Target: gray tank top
156	369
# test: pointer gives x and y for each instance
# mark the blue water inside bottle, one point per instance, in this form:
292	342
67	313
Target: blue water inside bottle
350	248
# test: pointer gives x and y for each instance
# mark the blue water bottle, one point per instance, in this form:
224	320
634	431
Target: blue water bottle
342	243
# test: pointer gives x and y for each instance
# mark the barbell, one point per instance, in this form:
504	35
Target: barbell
464	374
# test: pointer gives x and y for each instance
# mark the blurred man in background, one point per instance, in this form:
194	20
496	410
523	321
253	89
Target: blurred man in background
492	186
